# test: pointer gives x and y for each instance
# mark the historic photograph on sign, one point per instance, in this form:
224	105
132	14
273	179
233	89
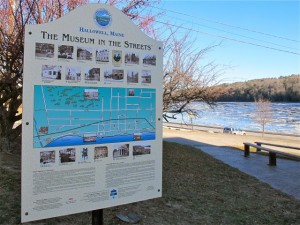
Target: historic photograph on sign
132	58
84	155
43	130
132	76
131	92
67	155
84	53
50	72
65	52
149	59
90	94
100	152
73	73
92	74
141	149
44	50
90	137
117	57
47	158
114	75
146	77
120	150
102	55
137	136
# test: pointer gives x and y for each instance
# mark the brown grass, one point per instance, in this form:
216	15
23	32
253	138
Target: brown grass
197	189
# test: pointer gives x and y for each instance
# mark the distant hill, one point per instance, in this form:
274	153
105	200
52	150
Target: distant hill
282	89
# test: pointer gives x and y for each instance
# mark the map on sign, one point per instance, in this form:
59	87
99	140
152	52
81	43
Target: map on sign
68	115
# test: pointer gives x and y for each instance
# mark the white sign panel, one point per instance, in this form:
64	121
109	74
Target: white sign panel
92	103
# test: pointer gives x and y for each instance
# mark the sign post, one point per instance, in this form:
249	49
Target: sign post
92	98
97	217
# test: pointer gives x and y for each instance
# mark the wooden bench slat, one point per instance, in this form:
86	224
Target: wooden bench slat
276	145
258	146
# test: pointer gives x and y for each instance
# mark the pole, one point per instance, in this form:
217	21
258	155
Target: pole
97	217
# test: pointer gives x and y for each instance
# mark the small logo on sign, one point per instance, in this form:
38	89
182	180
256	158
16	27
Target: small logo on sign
113	194
103	18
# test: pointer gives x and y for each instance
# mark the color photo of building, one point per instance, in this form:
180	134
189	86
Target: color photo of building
141	150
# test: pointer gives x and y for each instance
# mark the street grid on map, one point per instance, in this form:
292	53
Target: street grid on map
91	113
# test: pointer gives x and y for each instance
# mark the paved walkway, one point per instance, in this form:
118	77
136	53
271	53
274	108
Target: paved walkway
285	176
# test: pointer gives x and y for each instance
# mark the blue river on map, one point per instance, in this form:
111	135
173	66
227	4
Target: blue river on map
77	140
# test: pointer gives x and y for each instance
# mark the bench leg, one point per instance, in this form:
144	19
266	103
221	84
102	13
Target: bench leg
246	150
258	149
272	159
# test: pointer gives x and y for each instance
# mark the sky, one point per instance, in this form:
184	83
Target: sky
273	25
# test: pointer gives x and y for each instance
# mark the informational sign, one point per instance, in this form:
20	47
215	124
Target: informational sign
92	107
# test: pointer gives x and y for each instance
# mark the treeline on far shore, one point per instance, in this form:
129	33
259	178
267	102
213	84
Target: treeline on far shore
282	89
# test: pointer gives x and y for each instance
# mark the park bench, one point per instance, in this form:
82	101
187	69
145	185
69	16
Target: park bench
272	152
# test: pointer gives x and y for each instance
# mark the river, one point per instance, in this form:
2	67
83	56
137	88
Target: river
285	116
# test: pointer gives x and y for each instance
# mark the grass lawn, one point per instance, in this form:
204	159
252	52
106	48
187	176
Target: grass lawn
197	189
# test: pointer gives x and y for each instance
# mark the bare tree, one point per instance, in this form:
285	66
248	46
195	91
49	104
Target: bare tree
263	113
186	79
14	15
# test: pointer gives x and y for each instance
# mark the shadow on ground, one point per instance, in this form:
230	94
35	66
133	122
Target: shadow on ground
285	176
